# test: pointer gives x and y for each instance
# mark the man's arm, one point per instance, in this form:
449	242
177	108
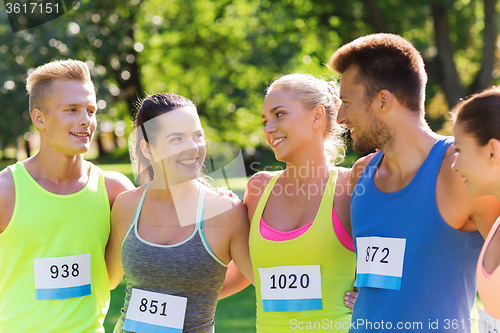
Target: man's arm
456	207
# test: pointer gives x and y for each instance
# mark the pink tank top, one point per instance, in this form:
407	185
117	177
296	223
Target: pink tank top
488	285
273	234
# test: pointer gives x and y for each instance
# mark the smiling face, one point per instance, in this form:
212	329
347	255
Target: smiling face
286	124
68	120
179	144
473	163
367	131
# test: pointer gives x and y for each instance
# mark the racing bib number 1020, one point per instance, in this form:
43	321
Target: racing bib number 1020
379	262
291	288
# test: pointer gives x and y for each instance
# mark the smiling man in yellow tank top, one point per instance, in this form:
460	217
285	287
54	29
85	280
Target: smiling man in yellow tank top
54	213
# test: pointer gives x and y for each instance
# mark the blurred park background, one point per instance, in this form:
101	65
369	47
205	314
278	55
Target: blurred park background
222	54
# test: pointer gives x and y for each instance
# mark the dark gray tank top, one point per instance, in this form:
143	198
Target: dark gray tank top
187	269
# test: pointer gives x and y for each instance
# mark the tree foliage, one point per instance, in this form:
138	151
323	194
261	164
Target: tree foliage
223	53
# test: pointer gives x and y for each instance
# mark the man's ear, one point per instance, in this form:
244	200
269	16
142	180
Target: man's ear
385	99
38	118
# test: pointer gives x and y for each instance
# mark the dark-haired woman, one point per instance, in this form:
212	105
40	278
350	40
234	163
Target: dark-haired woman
175	234
477	140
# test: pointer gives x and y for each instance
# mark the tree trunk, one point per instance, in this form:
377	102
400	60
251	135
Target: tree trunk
27	148
375	16
448	76
484	79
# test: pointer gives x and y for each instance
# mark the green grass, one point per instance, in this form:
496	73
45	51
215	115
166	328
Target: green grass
124	168
236	313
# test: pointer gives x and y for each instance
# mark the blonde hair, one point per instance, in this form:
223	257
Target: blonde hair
39	84
311	92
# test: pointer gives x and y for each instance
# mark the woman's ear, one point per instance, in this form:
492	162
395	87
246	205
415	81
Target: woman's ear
38	118
494	151
146	150
319	114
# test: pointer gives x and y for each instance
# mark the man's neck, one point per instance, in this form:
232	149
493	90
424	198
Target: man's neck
411	144
58	169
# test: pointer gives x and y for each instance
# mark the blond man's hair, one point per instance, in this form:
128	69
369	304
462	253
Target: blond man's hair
40	83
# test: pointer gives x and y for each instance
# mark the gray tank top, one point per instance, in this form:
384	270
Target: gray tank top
188	269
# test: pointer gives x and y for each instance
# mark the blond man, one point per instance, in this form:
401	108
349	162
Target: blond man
54	213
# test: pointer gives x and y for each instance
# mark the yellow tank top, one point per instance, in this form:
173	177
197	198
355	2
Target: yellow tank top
53	274
300	283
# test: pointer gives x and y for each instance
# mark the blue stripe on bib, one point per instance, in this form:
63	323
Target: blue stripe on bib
63	293
137	326
287	305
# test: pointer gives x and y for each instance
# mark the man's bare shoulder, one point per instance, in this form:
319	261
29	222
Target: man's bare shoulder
116	183
7	187
7	197
452	178
457	208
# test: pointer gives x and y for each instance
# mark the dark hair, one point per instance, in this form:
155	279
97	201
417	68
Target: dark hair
480	115
385	61
152	106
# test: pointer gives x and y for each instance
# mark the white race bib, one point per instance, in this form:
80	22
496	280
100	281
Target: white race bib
291	288
155	312
62	277
488	324
379	262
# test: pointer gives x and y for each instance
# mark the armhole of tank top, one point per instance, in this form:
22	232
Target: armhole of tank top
136	214
261	205
374	162
200	213
487	242
338	228
342	235
16	201
101	182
